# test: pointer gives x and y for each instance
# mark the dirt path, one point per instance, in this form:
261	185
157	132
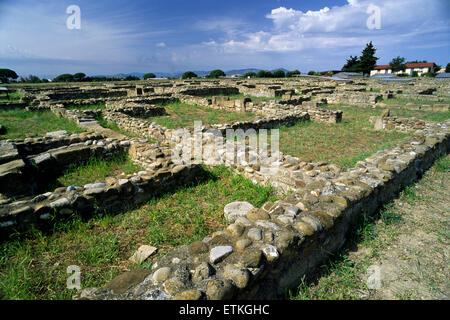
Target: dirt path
415	264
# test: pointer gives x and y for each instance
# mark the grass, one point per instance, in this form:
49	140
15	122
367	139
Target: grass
87	107
344	275
21	124
343	143
241	96
35	268
183	115
414	101
96	170
13	96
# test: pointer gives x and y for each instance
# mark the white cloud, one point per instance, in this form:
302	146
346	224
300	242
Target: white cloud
161	45
343	26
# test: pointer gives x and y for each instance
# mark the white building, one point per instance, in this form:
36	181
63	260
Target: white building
421	68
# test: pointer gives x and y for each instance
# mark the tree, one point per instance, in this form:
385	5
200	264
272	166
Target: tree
250	75
311	73
352	65
216	74
79	76
149	76
279	74
368	61
290	74
264	74
6	74
188	75
398	64
131	78
447	68
65	77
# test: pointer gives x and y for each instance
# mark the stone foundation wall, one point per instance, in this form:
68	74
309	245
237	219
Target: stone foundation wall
267	250
113	195
33	163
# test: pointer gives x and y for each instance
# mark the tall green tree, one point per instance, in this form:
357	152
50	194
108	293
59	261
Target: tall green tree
447	68
6	74
368	61
352	65
398	64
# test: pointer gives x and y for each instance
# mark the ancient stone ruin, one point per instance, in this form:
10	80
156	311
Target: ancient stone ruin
264	251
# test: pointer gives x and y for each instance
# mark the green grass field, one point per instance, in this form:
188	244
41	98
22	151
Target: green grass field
96	170
21	124
35	268
183	115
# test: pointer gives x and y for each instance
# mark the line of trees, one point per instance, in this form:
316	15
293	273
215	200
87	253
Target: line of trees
268	74
366	62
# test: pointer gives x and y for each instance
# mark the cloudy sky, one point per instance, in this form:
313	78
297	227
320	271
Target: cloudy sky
122	36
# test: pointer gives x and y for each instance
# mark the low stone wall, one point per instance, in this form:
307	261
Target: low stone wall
267	250
32	164
401	124
352	99
113	195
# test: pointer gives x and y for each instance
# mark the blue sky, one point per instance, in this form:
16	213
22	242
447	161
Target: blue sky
120	36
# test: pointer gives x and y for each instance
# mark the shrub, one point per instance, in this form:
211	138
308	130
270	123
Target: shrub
290	74
279	74
216	74
149	76
6	74
189	75
249	74
264	74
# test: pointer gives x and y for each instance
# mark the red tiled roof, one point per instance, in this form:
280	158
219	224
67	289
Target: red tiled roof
408	65
382	67
419	65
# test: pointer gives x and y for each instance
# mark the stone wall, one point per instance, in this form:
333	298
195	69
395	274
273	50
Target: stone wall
267	250
29	165
113	195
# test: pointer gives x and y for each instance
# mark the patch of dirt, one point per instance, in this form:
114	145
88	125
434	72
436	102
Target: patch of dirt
415	265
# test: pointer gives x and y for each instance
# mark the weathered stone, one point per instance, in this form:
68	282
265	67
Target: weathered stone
219	253
126	280
198	247
254	234
161	275
173	286
220	289
237	209
251	258
243	243
235	229
257	214
238	275
202	271
142	253
271	253
192	294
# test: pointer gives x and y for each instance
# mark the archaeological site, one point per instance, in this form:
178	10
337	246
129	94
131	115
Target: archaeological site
203	189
